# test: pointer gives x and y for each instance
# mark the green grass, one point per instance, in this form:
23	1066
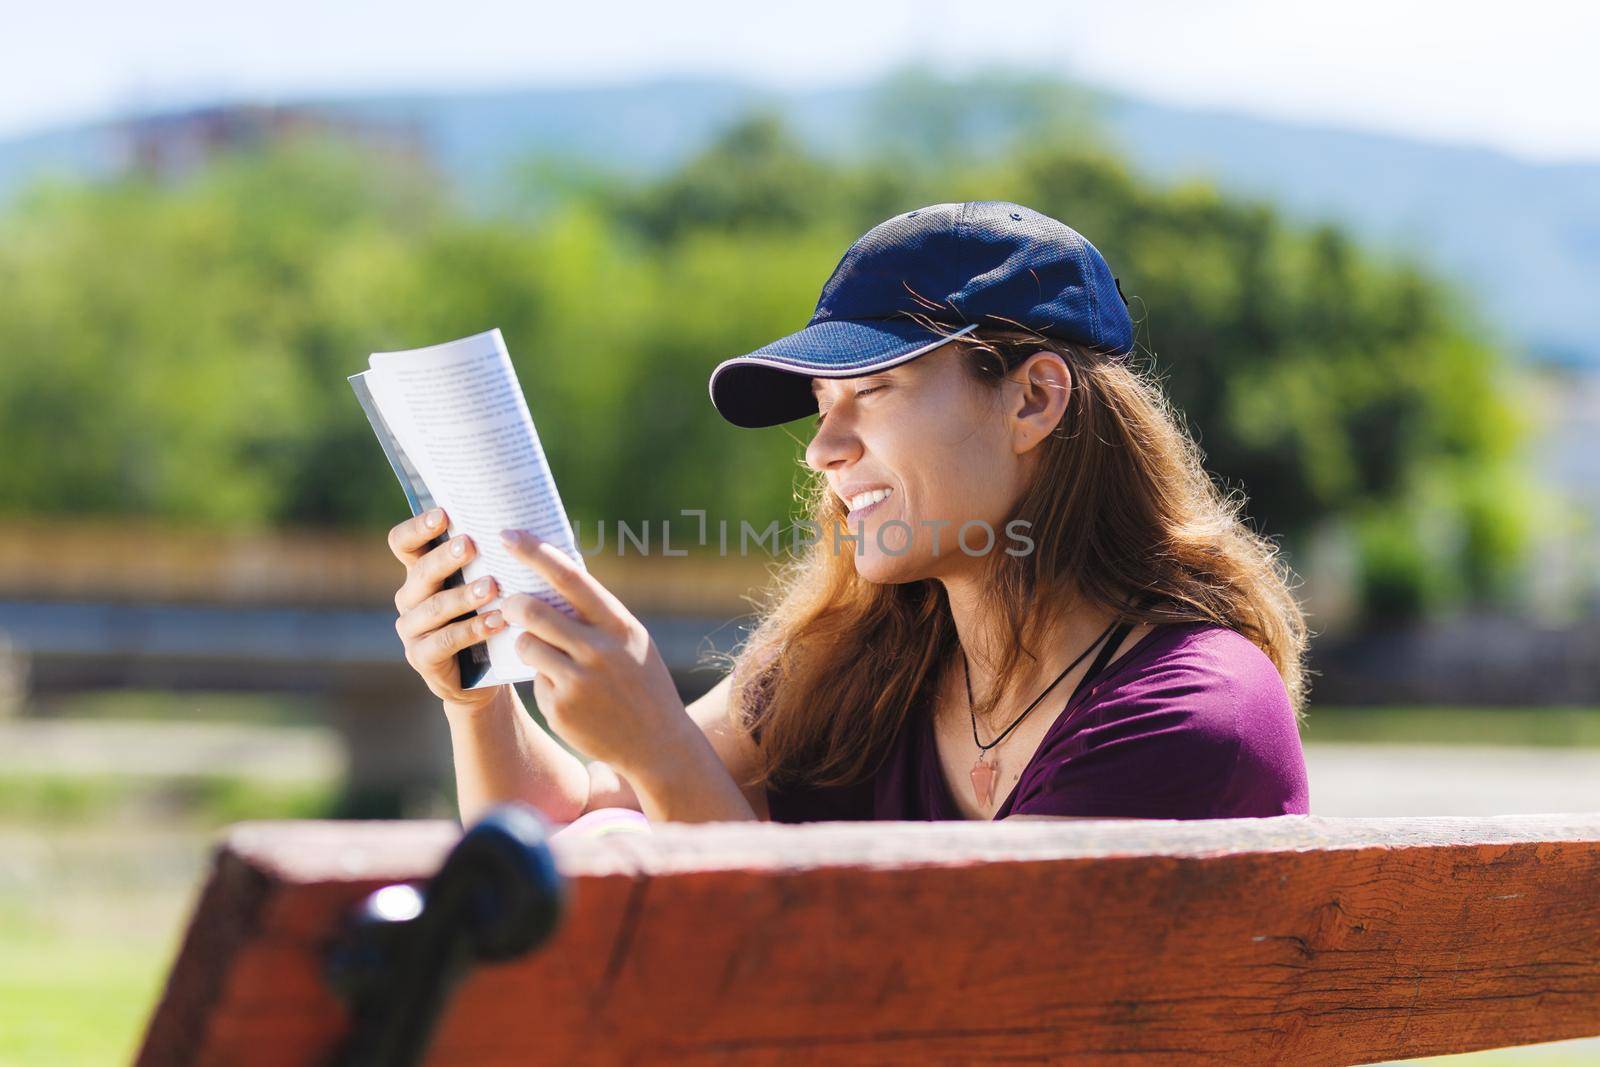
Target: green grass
90	918
1537	727
211	800
94	902
285	709
70	997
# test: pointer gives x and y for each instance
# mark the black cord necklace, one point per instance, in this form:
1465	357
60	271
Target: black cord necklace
984	774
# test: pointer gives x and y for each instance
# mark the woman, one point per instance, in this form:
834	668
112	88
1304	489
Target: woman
1028	599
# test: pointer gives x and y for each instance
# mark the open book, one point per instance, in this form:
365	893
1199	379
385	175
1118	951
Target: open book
455	426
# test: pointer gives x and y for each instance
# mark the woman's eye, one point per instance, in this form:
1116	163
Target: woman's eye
858	392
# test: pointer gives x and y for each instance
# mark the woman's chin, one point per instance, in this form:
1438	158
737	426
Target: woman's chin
882	569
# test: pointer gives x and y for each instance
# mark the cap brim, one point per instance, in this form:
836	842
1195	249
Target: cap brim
772	385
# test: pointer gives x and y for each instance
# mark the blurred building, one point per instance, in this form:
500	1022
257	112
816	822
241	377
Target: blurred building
172	145
1564	568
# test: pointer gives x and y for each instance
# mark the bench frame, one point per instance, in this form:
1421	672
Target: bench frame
1295	939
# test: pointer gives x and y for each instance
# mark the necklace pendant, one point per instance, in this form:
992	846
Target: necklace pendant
983	778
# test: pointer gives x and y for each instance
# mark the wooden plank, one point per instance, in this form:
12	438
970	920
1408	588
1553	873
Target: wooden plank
1297	939
145	561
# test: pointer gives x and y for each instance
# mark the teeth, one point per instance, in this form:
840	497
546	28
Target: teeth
872	496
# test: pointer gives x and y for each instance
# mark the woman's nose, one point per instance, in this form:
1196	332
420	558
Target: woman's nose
833	444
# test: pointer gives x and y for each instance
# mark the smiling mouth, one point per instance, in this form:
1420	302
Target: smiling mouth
862	503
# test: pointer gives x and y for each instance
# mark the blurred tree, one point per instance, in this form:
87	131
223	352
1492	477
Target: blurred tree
179	350
920	118
755	176
1321	380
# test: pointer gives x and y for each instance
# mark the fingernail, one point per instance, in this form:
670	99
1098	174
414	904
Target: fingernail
480	587
494	621
435	517
458	547
511	537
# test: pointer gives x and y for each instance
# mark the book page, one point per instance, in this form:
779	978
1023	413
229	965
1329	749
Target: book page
461	418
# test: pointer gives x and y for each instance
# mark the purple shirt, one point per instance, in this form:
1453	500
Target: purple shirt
1192	722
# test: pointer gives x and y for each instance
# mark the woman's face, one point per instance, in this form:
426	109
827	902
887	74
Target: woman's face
922	449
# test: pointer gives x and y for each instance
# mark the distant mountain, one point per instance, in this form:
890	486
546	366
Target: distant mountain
1522	239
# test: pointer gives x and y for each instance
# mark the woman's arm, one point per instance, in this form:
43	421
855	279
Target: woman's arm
613	690
603	688
501	753
734	750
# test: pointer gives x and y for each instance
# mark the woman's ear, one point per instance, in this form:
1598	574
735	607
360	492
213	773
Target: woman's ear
1036	392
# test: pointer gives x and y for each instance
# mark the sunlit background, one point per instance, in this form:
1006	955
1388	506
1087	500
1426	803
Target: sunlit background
1362	242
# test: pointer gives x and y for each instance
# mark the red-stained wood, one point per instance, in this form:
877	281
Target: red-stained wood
1297	939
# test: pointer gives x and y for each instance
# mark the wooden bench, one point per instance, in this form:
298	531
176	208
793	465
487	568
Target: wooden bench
1297	939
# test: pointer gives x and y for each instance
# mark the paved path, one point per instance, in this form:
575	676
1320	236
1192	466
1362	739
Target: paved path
169	749
1346	779
1353	779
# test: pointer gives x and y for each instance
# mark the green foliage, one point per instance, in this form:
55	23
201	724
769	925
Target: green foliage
209	800
1552	727
918	118
178	349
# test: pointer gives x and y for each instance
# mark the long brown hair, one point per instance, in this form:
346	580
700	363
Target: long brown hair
1122	508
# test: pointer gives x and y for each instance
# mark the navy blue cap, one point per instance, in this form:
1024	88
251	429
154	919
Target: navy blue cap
983	263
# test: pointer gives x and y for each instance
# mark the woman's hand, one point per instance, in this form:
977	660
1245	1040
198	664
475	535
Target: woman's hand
427	608
602	685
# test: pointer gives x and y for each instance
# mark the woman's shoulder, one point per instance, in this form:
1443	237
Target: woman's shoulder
1194	722
1205	683
1198	659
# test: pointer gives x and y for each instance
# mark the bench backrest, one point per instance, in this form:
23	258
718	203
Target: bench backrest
1297	939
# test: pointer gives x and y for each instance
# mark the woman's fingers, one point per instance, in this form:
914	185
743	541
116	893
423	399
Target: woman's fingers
408	539
592	600
543	657
444	606
435	651
528	612
426	575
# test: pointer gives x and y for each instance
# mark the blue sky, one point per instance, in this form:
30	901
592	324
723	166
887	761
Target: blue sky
1522	78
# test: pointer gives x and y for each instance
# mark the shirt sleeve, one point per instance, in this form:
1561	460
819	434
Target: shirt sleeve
1208	734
